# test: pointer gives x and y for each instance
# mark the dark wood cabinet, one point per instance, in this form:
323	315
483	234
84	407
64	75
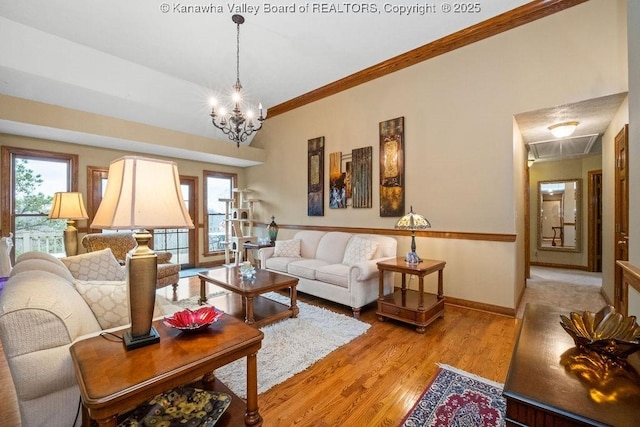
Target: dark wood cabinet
550	383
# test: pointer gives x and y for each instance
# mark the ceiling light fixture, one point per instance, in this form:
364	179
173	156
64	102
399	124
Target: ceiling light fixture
235	125
562	130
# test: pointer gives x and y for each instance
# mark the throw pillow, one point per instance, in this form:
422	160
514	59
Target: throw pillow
359	250
98	265
107	300
287	248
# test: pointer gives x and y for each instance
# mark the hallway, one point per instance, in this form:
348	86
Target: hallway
574	290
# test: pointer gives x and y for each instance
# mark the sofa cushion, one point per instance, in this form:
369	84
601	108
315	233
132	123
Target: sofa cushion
332	246
336	274
359	250
305	268
98	265
279	263
287	248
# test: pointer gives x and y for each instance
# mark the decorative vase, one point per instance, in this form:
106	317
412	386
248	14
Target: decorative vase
273	230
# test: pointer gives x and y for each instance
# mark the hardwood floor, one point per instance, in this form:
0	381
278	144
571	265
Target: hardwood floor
372	381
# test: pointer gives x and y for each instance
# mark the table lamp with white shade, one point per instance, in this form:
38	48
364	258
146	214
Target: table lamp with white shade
69	206
142	194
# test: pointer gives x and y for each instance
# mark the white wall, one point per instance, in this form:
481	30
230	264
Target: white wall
561	170
460	159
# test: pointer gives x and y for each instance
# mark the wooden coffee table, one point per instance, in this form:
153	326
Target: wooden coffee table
113	381
247	301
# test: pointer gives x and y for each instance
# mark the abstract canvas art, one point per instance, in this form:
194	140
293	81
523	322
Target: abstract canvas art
315	177
361	171
392	167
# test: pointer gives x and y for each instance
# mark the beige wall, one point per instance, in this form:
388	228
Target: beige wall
562	170
100	157
608	198
460	159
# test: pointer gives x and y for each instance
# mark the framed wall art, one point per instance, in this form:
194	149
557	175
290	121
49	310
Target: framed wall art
392	167
337	182
361	177
315	177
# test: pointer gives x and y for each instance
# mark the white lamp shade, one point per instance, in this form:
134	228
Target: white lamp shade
142	193
68	206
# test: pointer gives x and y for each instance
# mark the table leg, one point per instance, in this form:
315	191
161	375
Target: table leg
209	378
108	422
249	320
403	290
252	416
294	298
86	419
421	293
203	292
440	284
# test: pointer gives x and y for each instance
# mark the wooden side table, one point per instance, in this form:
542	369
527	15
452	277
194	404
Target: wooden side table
415	307
113	381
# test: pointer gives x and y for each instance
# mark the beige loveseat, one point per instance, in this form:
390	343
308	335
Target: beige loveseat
336	266
43	310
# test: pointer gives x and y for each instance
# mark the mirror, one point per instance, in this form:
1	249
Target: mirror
559	215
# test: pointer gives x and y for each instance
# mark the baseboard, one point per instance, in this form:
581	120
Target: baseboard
473	305
566	266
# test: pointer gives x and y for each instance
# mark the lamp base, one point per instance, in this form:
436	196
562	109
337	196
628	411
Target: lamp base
130	342
413	258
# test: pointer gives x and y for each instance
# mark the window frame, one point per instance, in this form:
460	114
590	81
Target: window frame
233	177
7	202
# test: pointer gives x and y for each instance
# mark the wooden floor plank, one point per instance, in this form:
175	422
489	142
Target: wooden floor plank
372	381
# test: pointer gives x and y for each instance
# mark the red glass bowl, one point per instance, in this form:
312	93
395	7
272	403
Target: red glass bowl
193	320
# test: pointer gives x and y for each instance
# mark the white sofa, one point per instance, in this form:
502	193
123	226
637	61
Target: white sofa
336	266
44	309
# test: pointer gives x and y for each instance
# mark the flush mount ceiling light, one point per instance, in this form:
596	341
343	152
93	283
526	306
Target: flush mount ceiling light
562	130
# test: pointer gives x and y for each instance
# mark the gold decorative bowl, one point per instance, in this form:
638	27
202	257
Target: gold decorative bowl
605	332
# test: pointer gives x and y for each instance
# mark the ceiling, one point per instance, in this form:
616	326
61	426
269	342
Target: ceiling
158	63
593	117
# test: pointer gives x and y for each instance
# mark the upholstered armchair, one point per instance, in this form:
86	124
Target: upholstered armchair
121	243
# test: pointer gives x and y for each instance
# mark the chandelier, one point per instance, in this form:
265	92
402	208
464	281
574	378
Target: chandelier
236	125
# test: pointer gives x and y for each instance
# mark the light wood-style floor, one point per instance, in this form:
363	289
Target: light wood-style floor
372	381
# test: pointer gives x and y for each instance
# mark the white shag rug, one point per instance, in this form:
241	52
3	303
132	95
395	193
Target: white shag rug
292	345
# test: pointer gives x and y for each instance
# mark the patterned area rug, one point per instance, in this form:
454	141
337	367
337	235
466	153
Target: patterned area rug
458	398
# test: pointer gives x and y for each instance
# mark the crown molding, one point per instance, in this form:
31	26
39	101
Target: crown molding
514	18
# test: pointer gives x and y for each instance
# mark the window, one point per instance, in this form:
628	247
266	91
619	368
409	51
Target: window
34	177
218	185
181	243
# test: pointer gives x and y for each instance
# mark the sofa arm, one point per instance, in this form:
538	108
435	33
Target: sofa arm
164	257
367	269
265	253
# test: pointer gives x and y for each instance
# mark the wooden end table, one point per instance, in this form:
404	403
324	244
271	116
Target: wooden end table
415	307
249	305
113	381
